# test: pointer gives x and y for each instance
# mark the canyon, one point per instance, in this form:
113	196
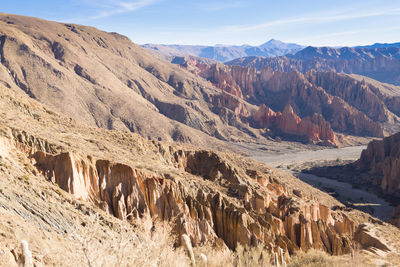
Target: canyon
210	196
359	107
105	145
197	101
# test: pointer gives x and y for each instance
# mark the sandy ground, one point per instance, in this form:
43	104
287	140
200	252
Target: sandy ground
290	155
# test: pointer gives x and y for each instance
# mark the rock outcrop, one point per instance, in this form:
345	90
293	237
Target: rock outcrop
382	159
248	214
313	129
395	220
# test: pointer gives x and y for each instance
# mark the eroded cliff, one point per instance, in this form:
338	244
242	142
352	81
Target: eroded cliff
340	103
245	212
382	159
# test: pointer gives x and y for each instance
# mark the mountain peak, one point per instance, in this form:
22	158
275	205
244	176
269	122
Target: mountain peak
272	43
277	44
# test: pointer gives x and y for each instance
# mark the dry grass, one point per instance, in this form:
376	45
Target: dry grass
243	256
145	244
315	258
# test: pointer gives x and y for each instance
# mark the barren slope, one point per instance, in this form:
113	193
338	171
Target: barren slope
103	79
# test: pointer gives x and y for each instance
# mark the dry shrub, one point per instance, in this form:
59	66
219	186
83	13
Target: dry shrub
252	256
244	256
315	258
215	256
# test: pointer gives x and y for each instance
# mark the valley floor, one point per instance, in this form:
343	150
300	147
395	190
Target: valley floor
287	157
291	153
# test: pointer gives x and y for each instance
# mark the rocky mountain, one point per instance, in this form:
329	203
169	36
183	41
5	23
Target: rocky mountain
381	64
212	197
104	80
347	104
224	53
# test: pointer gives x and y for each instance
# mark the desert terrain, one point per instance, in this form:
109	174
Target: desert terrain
114	154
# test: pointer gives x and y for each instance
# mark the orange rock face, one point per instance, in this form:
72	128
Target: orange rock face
314	128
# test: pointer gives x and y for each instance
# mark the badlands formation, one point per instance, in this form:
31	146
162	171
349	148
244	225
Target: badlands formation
87	125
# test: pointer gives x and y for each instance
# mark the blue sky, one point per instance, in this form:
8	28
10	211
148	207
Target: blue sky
307	22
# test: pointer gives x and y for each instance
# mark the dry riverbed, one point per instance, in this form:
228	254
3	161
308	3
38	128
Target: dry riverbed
288	157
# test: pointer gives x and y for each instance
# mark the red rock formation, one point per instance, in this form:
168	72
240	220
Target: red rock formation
305	94
358	94
265	116
314	128
220	78
381	64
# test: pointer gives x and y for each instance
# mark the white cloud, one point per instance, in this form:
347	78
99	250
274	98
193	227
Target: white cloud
312	18
119	7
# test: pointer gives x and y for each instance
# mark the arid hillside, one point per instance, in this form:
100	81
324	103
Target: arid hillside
103	79
210	196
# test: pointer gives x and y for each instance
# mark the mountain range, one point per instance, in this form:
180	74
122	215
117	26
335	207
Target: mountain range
381	64
224	53
104	80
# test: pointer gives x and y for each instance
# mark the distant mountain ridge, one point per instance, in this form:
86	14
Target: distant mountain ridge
382	64
225	53
380	45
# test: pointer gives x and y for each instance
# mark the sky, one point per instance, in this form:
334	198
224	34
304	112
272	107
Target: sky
234	22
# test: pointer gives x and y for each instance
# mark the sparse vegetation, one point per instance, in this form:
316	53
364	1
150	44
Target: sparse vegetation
315	258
